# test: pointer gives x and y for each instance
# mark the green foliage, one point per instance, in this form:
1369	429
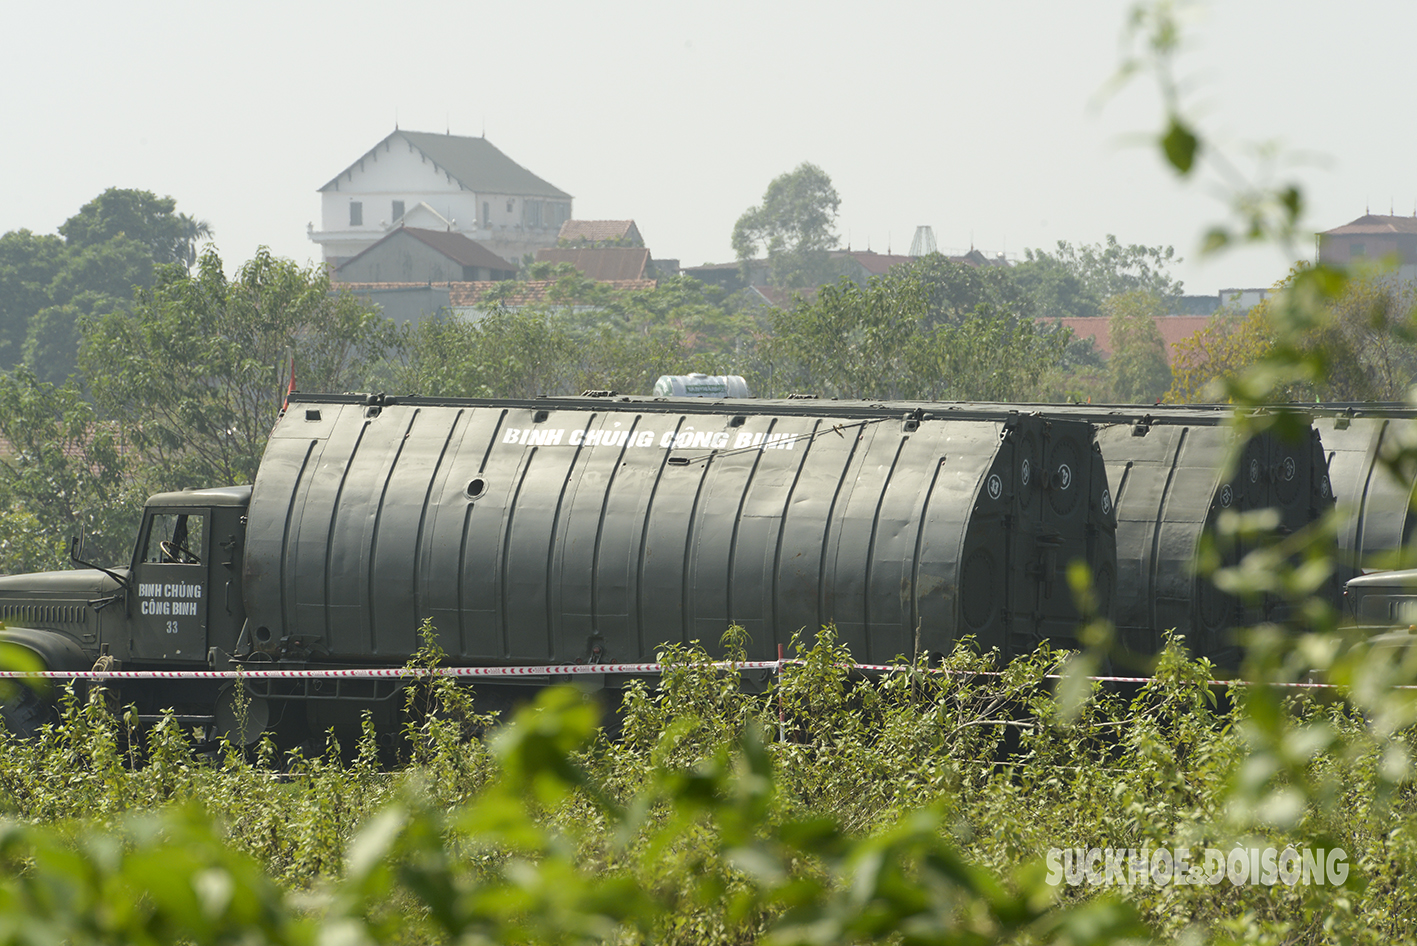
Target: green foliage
48	285
904	336
955	291
584	336
828	808
197	372
28	266
142	216
793	227
67	476
1074	281
1137	367
1352	335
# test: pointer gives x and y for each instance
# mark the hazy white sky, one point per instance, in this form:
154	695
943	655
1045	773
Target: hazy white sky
979	119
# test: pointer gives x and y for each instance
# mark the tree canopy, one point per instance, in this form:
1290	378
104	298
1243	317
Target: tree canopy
1073	281
196	372
907	335
793	227
1364	340
48	284
169	236
1137	369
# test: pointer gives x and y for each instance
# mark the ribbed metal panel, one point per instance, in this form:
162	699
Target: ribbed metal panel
579	529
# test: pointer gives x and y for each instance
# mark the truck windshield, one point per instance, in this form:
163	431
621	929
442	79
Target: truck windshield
174	537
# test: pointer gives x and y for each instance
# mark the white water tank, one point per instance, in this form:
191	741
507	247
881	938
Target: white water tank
701	385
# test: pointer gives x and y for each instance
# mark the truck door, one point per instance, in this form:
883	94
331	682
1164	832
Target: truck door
171	578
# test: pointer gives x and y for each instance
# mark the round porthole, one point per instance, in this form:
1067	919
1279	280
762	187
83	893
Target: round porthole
476	487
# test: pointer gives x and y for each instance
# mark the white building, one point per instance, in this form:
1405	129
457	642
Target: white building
439	182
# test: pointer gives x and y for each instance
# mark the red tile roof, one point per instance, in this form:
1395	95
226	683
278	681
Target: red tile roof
1173	328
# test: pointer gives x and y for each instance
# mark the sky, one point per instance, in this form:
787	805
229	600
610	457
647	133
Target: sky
987	122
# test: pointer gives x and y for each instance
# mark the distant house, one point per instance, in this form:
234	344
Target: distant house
415	255
1373	237
440	182
599	233
603	264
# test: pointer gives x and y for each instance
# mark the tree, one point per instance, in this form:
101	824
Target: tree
1230	344
1073	281
153	221
887	340
793	227
67	474
49	283
994	355
197	371
955	291
28	266
1137	368
1371	340
849	341
503	354
1361	342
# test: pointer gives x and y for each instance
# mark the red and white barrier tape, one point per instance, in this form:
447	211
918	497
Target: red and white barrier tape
364	673
549	670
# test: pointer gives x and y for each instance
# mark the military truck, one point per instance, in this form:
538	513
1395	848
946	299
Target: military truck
581	530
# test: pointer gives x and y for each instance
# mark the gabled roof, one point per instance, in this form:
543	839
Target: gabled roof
609	263
423	216
451	244
474	163
598	231
1374	224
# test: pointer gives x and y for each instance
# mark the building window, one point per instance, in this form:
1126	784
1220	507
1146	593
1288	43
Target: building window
398	210
356	214
1355	250
486	215
510	202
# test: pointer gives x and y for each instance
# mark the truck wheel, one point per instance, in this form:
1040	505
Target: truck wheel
25	712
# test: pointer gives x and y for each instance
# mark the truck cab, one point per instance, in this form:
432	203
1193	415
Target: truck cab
177	599
184	590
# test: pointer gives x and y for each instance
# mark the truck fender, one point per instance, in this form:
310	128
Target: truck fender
26	710
57	651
